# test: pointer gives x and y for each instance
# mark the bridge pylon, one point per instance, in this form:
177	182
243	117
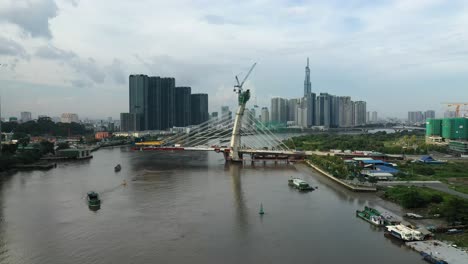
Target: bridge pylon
243	98
236	129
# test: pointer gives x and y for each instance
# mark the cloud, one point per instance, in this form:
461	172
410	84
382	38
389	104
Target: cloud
116	72
9	47
53	53
89	68
31	16
218	20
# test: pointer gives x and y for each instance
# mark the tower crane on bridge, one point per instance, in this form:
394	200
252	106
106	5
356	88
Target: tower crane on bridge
457	106
243	98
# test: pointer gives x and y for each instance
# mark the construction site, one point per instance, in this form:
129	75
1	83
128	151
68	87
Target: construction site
452	132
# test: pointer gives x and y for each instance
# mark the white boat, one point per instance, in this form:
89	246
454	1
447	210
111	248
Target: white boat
404	233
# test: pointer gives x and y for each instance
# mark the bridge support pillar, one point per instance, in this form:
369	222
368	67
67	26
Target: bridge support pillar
236	129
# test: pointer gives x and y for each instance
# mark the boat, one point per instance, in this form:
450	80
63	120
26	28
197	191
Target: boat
300	184
93	200
372	216
432	259
261	212
404	233
117	168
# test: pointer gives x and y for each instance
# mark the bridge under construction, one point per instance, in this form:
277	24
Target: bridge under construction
235	139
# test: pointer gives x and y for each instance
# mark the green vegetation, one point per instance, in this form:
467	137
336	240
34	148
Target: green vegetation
335	166
435	202
44	126
11	156
391	143
461	240
452	173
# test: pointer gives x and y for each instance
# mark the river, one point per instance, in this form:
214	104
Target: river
184	208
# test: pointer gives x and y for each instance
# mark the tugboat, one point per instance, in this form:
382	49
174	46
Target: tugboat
300	184
94	202
117	168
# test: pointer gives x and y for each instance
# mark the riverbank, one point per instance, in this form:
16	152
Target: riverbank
348	185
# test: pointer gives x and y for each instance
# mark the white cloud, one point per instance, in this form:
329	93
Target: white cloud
355	47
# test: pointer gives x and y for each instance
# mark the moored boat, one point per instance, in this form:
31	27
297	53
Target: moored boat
117	168
300	184
93	199
372	216
404	233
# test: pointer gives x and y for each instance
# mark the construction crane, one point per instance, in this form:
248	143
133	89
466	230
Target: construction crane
457	106
238	86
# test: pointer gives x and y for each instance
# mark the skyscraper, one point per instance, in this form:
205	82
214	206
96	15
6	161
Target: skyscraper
265	115
182	106
323	108
345	111
292	109
167	103
279	110
199	111
153	111
226	113
138	94
374	118
307	84
360	113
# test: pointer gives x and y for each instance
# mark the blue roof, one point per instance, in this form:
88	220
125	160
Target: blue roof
386	169
372	161
426	158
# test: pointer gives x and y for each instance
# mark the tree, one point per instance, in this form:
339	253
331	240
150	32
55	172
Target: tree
456	209
47	147
413	199
63	145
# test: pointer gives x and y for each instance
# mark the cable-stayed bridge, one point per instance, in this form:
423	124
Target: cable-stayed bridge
245	135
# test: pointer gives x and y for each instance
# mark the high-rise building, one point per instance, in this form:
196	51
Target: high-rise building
415	117
345	111
199	105
214	115
302	112
307	83
26	116
69	118
429	114
374	118
360	113
368	117
323	110
138	96
168	103
310	101
226	114
279	110
292	109
129	122
335	111
182	106
265	115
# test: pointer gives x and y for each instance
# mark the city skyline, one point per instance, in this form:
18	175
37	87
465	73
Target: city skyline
354	48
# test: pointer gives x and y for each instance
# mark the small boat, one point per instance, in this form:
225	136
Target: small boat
117	168
432	259
261	212
93	200
300	184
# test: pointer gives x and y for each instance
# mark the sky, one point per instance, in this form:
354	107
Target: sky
75	56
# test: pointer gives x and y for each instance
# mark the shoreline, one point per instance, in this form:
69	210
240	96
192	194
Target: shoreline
341	182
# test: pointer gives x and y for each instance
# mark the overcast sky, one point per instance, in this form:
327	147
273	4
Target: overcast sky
75	55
